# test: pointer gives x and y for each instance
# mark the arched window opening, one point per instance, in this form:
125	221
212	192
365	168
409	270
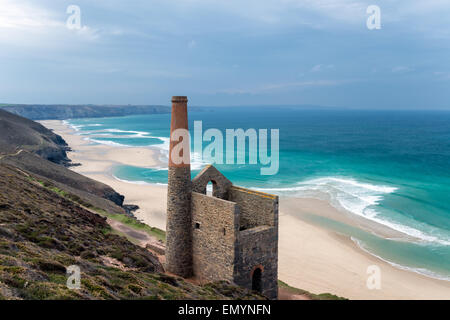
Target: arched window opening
209	189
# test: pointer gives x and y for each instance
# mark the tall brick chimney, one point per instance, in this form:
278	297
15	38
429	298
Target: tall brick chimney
178	229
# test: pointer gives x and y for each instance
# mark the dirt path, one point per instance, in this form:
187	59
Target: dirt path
141	236
284	294
12	155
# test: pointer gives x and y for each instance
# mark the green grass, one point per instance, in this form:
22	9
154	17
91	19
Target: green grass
58	191
133	223
321	296
126	220
117	232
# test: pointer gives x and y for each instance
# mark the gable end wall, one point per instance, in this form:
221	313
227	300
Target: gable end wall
214	242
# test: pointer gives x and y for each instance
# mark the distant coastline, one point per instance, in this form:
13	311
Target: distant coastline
67	111
60	112
312	256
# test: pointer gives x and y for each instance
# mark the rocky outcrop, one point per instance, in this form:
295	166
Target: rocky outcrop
18	133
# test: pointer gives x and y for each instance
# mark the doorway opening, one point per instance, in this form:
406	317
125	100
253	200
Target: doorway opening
257	280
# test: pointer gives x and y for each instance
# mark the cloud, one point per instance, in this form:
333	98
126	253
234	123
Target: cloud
342	10
25	24
192	44
293	47
284	86
442	75
321	67
17	14
402	69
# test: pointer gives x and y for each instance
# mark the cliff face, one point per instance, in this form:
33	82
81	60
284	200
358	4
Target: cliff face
18	133
35	149
42	233
61	112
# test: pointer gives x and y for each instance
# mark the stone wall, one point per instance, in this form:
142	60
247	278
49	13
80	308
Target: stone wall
224	237
178	234
256	208
221	184
258	248
215	224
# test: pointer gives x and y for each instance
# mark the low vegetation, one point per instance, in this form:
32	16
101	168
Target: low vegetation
312	296
42	232
122	218
135	224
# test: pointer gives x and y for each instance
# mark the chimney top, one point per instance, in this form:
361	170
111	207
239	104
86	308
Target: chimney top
179	99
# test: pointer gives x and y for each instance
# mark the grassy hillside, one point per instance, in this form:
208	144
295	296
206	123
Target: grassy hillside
305	294
35	149
66	179
42	233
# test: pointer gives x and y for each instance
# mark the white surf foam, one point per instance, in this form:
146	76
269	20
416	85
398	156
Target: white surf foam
139	182
107	142
421	271
359	198
93	125
197	162
163	146
75	127
131	182
136	134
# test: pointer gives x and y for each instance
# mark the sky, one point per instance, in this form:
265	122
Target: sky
227	52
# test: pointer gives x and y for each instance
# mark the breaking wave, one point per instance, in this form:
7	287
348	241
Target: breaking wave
359	198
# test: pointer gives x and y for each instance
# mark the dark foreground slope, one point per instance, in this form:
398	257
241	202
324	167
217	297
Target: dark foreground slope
61	112
42	233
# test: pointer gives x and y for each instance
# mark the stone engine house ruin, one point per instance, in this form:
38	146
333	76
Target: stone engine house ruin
231	235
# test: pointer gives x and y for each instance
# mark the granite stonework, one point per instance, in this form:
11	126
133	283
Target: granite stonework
215	224
229	238
178	231
257	208
221	184
231	235
258	248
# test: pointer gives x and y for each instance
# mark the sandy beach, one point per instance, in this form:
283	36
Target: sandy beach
311	257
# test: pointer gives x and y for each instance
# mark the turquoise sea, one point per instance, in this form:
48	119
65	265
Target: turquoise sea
392	167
